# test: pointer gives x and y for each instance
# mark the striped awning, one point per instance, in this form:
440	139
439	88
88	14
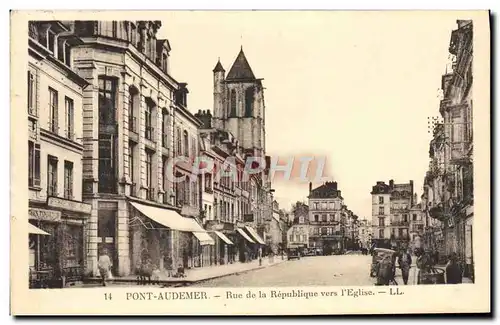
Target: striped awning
244	235
224	238
255	235
204	238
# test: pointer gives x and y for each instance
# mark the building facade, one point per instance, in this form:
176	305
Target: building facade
55	150
452	164
326	218
133	112
365	233
391	204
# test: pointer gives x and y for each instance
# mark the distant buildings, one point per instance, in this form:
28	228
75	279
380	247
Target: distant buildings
365	233
326	219
391	208
298	233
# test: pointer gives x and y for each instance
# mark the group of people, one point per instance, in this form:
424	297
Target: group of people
426	261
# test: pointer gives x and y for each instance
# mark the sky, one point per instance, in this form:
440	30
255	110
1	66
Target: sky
355	87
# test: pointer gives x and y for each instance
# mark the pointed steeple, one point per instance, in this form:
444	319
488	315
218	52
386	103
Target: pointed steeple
218	67
241	69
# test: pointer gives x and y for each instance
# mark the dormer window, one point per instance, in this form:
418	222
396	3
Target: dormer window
164	62
51	40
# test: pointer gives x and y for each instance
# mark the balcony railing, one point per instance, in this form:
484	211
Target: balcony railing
68	193
133	189
400	223
151	194
52	190
150	133
132	124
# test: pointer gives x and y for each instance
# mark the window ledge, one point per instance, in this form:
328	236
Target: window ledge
35	188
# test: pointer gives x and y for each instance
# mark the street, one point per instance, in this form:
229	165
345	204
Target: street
341	270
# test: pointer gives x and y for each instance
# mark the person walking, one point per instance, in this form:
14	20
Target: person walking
104	265
453	270
383	270
404	261
168	264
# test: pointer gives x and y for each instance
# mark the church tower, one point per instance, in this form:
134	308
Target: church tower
239	105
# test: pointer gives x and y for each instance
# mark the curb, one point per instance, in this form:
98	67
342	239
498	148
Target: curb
228	274
178	283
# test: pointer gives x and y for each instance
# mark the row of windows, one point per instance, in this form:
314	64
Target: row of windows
297	238
325	206
328	231
401	233
47	37
226	211
69	108
326	218
185	145
52	171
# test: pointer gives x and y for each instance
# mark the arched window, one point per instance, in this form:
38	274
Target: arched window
249	102
233	103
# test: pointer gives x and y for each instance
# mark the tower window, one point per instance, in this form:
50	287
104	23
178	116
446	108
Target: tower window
249	97
233	103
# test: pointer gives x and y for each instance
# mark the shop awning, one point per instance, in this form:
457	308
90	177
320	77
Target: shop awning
168	218
36	231
255	235
242	233
204	238
224	238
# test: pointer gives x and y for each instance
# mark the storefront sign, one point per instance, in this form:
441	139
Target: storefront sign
44	215
74	206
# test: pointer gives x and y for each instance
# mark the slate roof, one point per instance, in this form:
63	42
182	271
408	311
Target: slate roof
241	69
218	67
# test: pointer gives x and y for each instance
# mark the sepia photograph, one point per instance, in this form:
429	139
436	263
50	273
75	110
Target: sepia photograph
246	150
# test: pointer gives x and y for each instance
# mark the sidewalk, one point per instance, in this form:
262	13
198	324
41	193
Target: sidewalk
204	273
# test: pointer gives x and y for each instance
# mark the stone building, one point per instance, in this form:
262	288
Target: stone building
133	112
57	215
391	204
239	117
326	220
365	233
452	163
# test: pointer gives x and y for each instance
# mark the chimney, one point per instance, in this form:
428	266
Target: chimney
391	183
310	187
205	117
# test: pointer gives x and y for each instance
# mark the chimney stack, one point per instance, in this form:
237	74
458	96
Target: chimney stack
391	183
310	187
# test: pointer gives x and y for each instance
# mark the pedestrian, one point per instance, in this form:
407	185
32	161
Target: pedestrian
260	256
383	269
453	270
168	264
104	265
404	261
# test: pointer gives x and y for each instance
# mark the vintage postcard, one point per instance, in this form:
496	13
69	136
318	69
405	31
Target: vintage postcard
250	162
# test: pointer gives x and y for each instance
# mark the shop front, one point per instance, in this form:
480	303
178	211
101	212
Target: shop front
246	246
57	252
166	238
